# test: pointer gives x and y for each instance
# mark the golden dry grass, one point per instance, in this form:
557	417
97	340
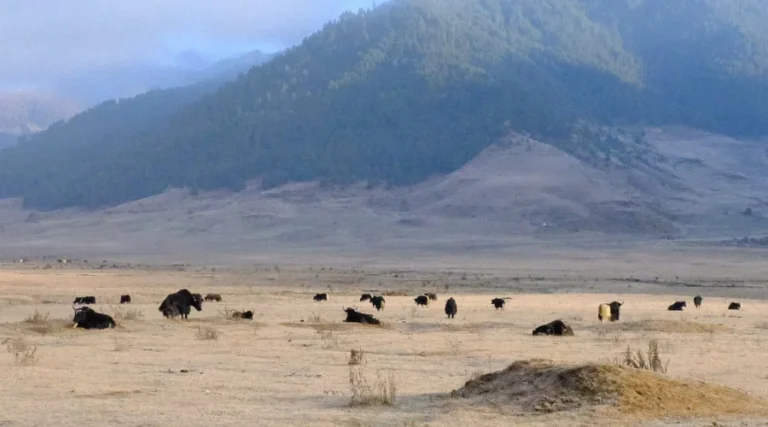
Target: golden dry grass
291	365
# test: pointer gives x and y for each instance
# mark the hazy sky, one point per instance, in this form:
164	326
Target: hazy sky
44	39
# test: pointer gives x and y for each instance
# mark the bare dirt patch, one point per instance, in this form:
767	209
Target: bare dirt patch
545	386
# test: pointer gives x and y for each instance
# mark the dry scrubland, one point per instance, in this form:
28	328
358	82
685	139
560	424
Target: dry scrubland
291	365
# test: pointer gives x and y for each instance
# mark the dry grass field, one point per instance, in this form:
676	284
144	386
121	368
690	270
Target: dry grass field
291	365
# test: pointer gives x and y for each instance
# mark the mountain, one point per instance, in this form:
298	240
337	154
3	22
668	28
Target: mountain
418	88
22	113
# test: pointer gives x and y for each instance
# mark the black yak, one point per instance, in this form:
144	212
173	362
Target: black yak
734	306
180	303
451	308
677	306
555	327
365	297
421	300
498	303
320	297
85	300
87	318
213	297
357	317
431	296
248	315
378	302
697	301
609	311
125	299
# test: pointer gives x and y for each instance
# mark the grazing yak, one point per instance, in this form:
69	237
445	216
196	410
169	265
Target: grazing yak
734	306
85	300
697	301
87	318
321	297
355	316
365	297
248	315
451	308
431	296
378	302
555	327
180	303
125	299
609	311
677	306
498	303
213	297
421	300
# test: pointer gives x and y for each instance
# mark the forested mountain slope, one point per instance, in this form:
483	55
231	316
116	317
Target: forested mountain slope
416	88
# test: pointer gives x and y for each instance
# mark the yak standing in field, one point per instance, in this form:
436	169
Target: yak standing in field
365	297
213	297
247	315
180	304
555	327
320	297
697	301
378	302
422	300
354	316
85	300
734	306
677	306
451	308
609	311
87	318
125	299
498	303
432	296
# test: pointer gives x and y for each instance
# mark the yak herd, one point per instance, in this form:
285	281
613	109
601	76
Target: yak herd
180	304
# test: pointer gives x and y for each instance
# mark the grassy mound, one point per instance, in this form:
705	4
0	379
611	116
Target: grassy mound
669	326
545	386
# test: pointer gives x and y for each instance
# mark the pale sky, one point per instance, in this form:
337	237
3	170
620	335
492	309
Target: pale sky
47	39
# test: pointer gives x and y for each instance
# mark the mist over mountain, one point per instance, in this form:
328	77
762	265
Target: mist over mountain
418	88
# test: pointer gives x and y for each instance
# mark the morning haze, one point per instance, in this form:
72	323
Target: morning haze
460	177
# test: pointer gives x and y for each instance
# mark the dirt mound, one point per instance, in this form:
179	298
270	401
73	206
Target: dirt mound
545	386
669	326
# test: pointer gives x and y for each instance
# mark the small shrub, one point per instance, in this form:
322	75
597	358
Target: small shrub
37	318
356	357
24	354
206	333
453	345
130	314
650	361
330	341
383	391
315	318
762	325
121	345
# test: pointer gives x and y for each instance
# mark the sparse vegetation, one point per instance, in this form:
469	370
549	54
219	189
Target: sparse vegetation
23	352
762	326
649	361
453	345
37	318
356	357
329	340
121	344
383	390
127	314
207	333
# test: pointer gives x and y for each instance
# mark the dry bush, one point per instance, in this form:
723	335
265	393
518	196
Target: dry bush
383	391
649	361
762	325
453	346
127	314
356	357
37	318
330	341
121	345
207	333
315	318
23	352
